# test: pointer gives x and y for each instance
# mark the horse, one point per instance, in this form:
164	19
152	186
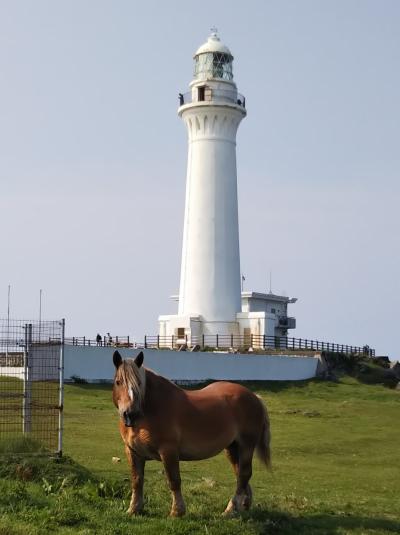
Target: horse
161	421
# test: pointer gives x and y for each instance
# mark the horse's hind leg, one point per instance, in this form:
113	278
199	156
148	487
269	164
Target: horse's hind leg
232	452
171	466
241	457
137	476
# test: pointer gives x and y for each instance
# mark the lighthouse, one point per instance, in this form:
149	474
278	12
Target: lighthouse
210	269
210	300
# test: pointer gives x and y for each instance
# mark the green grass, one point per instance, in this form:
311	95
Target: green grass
336	459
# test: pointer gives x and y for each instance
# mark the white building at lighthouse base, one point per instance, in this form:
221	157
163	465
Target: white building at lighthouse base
264	316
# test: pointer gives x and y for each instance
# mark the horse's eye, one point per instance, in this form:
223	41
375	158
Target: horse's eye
118	383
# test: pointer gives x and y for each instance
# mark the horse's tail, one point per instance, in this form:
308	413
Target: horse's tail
263	448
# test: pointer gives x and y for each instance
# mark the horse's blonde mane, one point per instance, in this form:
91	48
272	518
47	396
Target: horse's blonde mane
133	378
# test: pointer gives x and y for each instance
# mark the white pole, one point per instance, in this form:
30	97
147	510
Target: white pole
8	323
40	311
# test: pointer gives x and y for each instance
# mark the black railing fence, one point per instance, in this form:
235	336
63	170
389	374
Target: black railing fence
221	341
104	341
244	342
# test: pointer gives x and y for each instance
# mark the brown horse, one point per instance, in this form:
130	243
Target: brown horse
159	420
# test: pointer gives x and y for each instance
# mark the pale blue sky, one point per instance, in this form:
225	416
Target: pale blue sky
93	159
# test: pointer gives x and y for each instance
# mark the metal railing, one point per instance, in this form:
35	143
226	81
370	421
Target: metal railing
244	342
214	95
105	341
221	341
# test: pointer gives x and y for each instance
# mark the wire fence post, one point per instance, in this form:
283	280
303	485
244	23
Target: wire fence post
27	388
61	390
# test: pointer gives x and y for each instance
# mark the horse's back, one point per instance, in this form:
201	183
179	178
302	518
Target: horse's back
226	409
246	407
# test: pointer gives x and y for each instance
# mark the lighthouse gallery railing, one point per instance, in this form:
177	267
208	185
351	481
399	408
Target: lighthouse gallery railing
215	95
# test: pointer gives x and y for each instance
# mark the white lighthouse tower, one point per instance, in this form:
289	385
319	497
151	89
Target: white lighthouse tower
209	293
210	301
210	269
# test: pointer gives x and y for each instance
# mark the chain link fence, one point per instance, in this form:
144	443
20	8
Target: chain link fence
31	386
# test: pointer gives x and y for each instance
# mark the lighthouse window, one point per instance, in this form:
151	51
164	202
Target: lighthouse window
213	65
201	93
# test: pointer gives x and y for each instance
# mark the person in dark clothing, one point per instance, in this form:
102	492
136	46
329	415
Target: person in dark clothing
109	339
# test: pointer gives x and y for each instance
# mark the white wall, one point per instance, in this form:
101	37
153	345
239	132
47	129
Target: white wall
12	371
44	363
95	364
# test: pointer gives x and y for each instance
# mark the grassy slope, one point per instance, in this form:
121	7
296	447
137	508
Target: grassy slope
335	454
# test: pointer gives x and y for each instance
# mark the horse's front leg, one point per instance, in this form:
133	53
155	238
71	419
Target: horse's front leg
171	465
137	477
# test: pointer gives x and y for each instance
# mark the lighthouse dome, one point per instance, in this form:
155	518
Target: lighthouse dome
213	44
213	60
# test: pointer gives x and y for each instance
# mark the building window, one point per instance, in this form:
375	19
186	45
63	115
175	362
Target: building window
273	311
201	93
181	332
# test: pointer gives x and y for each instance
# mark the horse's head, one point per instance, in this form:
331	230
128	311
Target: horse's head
129	387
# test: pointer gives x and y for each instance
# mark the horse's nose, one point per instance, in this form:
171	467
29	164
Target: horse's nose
127	418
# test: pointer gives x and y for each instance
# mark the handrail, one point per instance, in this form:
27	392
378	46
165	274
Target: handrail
222	341
244	342
214	95
105	341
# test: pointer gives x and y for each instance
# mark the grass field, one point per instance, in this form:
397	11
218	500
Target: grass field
336	459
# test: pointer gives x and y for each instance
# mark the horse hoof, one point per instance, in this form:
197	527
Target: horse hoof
134	512
175	513
246	503
231	509
229	514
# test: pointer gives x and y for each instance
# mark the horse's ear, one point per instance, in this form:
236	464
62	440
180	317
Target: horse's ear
139	359
117	359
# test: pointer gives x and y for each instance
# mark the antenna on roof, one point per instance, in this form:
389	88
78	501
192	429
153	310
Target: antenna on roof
270	282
